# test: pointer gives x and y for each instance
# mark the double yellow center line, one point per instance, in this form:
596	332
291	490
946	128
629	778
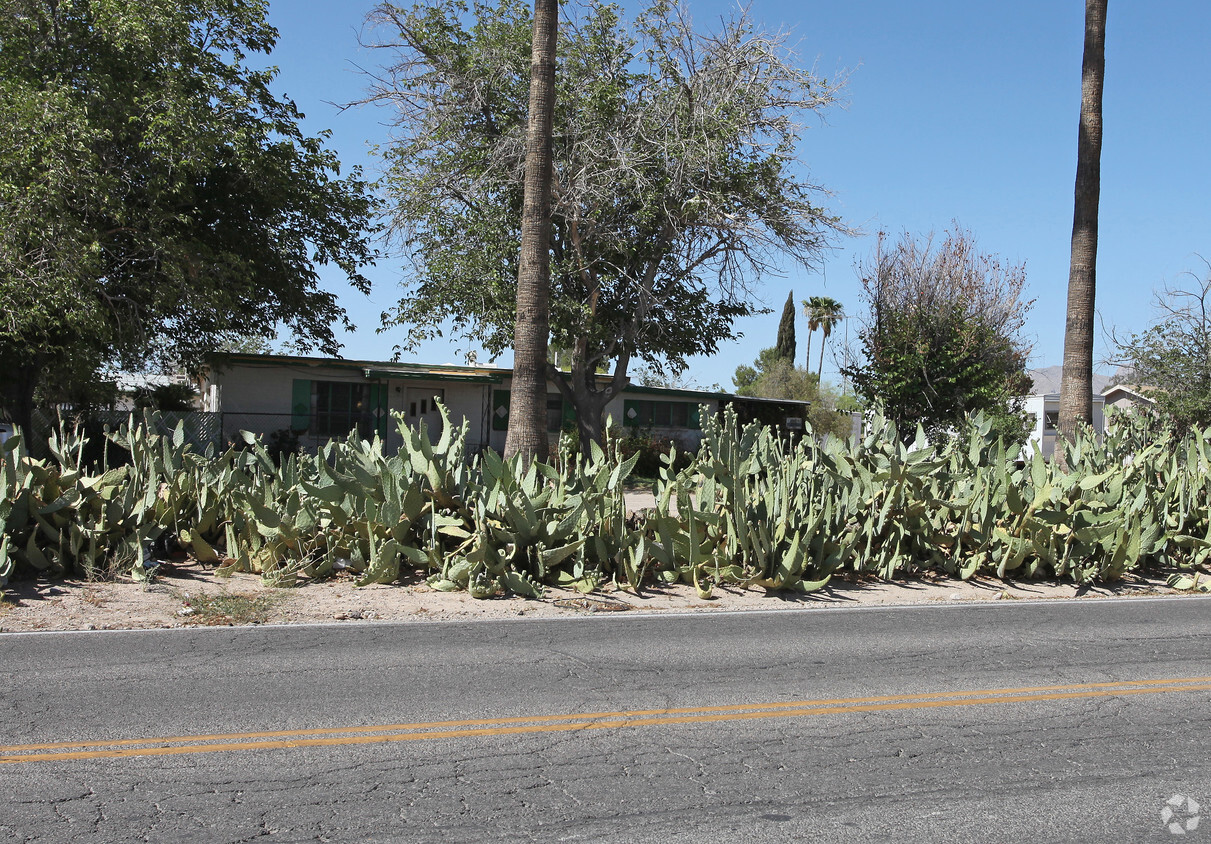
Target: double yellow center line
425	730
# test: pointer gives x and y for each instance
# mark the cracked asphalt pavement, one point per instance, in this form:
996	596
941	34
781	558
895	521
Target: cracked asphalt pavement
896	747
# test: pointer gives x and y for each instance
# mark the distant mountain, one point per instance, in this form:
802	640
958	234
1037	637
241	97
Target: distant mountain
1047	381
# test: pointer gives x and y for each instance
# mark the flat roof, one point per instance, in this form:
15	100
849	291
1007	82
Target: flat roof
387	367
1097	397
373	369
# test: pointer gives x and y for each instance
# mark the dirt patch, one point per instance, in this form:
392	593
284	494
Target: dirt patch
188	595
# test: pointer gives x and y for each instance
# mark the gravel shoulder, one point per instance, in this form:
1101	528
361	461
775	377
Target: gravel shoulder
188	595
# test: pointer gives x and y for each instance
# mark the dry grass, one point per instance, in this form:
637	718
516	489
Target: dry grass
228	608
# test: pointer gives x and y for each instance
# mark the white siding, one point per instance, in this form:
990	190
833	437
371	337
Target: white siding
258	397
1042	406
463	401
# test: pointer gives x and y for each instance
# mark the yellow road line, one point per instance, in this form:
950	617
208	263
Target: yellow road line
790	704
176	745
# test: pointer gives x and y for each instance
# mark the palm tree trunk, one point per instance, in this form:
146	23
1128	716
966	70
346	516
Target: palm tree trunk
527	434
823	342
1076	386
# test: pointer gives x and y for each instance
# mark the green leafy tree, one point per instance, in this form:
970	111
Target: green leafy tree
786	330
176	396
1172	358
158	196
773	376
943	335
676	181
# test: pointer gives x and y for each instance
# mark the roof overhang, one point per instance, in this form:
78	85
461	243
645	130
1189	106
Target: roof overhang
431	375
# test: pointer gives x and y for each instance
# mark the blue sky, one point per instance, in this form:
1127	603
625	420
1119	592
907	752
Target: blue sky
957	110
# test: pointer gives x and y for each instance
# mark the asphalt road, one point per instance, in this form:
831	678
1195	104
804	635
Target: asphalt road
1051	721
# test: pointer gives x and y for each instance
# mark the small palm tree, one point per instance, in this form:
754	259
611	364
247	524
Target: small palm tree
822	312
810	309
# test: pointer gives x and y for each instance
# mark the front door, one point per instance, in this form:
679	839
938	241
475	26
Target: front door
421	406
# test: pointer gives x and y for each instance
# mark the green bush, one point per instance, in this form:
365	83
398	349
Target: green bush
651	453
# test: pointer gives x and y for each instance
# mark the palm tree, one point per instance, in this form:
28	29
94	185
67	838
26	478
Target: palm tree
527	434
1076	385
809	311
832	312
822	312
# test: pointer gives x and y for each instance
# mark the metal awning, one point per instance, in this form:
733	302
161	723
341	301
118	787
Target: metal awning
431	375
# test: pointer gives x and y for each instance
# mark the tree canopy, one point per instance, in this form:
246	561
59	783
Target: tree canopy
774	376
1172	358
942	336
676	179
157	195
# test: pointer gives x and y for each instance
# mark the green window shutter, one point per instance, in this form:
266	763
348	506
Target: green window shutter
378	408
500	410
630	413
300	405
569	414
695	419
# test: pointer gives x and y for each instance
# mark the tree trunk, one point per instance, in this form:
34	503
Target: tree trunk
1076	386
589	424
820	370
583	390
580	388
807	363
17	386
527	434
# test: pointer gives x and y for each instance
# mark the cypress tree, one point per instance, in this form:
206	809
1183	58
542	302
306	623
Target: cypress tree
785	347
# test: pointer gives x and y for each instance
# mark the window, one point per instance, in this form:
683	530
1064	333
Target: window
660	414
334	408
638	414
1051	420
341	407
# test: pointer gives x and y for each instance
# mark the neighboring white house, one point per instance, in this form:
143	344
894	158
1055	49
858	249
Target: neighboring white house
316	399
1043	411
128	385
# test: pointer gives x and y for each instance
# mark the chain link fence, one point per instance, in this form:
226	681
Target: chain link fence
201	429
280	432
